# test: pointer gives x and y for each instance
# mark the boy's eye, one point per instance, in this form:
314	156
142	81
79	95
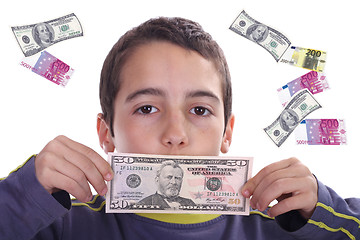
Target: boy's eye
201	111
147	109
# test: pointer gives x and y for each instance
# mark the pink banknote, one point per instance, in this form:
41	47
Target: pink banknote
321	132
50	68
315	82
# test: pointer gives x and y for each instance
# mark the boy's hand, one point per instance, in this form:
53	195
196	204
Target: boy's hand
289	182
68	165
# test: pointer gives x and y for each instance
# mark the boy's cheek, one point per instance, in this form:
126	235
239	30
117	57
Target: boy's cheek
201	138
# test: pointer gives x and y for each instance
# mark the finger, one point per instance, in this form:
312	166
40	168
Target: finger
71	186
266	182
86	165
288	204
100	163
51	169
279	188
71	171
249	187
88	168
293	171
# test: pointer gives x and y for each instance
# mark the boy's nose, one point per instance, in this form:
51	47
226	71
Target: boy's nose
175	135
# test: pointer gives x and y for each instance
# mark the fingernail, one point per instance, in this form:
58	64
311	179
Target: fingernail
89	198
252	205
108	176
257	206
103	192
246	193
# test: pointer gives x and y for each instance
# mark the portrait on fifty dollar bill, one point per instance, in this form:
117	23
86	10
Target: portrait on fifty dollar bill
43	34
169	178
288	120
257	32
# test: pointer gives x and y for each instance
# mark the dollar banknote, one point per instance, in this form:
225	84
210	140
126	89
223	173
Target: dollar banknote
315	82
305	58
177	184
272	40
300	105
34	38
49	67
321	132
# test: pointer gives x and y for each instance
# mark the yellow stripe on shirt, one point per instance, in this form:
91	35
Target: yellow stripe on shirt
324	226
330	209
19	167
87	204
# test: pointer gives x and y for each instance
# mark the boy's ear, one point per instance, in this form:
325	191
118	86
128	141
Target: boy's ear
104	135
227	137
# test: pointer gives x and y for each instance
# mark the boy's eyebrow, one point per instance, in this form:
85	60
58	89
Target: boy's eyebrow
159	92
145	91
202	93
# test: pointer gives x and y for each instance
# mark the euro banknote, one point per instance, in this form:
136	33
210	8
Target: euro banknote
34	38
300	105
49	67
321	132
269	38
178	184
307	58
315	82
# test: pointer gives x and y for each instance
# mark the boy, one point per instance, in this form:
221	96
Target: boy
165	89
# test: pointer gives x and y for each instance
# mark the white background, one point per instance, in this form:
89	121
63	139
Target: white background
33	110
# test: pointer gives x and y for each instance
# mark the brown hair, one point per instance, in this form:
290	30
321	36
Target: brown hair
179	31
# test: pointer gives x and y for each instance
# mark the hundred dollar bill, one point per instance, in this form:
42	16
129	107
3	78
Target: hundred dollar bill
272	40
49	67
321	132
34	38
300	105
315	82
305	58
177	184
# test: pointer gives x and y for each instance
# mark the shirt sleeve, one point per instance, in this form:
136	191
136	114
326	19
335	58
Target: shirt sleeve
25	206
333	218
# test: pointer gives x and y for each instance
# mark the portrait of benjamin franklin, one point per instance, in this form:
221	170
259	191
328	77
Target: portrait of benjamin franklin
288	120
257	32
43	34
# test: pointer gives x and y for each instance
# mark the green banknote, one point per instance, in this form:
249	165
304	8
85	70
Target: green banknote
178	184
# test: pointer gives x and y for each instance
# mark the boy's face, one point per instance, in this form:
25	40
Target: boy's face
170	102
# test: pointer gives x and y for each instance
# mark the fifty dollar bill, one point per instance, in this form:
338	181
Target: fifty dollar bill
301	104
177	184
272	40
34	38
321	132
